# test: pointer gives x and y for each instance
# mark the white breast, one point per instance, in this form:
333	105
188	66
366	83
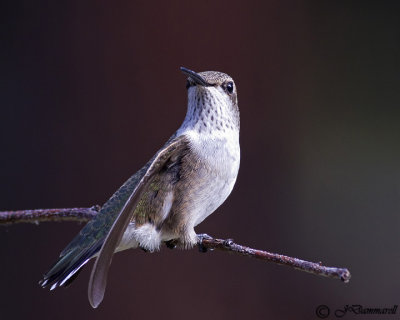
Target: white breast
221	154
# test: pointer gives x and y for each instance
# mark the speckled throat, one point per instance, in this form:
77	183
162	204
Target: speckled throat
212	107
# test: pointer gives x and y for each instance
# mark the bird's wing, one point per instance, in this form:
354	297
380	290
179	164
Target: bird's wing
87	243
98	278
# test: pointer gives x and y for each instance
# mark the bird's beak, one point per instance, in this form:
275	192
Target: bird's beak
195	77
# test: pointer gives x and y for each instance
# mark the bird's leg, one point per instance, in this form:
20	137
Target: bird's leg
187	240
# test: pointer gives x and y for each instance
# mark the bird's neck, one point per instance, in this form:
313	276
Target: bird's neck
210	113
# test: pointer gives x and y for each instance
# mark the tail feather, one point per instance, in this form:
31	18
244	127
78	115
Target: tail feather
66	269
88	242
66	282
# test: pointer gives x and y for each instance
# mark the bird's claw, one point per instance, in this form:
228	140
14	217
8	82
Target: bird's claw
200	238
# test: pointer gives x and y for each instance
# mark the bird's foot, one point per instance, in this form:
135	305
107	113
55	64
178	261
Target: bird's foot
171	244
200	238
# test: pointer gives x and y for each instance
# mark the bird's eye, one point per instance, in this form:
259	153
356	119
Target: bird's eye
229	86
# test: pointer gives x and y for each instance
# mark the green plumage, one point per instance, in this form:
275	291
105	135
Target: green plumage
90	239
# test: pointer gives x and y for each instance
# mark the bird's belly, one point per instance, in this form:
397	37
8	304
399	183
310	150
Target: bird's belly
221	167
215	194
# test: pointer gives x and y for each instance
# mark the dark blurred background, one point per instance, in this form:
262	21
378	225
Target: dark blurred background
89	91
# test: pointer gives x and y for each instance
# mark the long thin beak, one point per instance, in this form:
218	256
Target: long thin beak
195	77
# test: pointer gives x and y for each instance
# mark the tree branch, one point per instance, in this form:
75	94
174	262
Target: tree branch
205	242
312	267
45	215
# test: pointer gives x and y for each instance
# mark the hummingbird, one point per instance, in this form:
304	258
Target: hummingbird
182	184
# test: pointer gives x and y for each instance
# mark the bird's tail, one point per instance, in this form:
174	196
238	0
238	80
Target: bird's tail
88	242
67	267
